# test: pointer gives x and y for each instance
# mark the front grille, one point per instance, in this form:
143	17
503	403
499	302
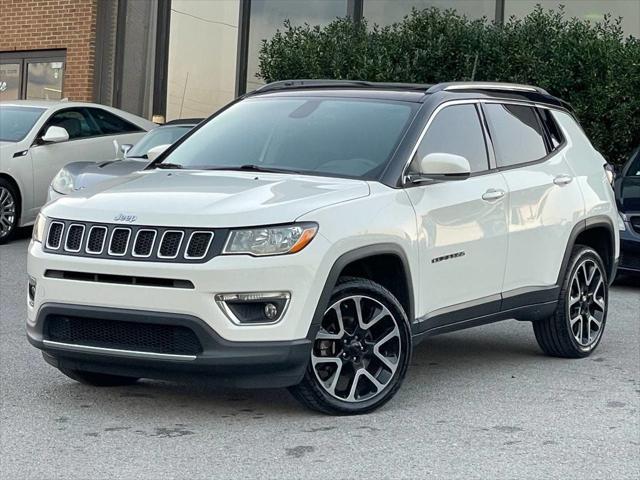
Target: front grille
55	235
142	337
133	242
74	238
635	223
170	244
119	241
95	243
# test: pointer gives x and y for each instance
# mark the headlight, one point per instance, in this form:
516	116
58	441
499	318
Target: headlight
38	228
275	240
63	182
621	220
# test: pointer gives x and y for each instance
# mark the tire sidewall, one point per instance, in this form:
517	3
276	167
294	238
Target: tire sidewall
585	253
382	295
16	200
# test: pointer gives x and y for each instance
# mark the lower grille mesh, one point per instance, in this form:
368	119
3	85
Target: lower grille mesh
144	337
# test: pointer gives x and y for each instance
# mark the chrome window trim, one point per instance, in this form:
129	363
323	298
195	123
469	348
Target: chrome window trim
48	245
135	240
170	257
99	252
404	177
206	250
126	247
66	237
221	300
116	351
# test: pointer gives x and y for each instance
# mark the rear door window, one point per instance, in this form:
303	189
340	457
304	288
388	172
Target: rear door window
516	132
111	124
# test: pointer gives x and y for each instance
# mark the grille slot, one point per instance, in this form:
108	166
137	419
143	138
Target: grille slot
73	241
143	245
198	245
170	244
136	336
55	235
119	279
95	243
119	241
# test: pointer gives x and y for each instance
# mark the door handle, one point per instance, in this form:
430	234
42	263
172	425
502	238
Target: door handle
562	180
493	194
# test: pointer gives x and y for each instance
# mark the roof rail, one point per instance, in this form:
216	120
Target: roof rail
499	86
311	83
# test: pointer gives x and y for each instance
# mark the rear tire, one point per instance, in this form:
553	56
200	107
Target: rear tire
97	379
9	211
576	327
361	351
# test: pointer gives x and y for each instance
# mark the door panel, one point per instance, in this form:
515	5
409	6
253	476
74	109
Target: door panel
463	240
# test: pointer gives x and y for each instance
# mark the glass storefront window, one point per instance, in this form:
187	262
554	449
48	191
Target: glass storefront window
593	10
44	80
9	81
267	16
203	41
386	12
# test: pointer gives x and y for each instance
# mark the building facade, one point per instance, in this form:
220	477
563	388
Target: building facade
167	59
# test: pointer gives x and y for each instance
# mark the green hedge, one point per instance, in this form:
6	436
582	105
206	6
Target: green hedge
592	66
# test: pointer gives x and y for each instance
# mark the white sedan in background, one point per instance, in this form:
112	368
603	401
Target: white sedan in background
38	138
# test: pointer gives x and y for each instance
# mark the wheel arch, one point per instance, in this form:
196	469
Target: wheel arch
369	262
597	232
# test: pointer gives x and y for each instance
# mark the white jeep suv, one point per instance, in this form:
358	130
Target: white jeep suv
309	234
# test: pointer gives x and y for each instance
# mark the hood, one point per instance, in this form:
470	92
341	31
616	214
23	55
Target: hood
99	172
205	199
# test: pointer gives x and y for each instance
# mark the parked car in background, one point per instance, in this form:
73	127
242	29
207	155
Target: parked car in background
80	175
38	138
627	188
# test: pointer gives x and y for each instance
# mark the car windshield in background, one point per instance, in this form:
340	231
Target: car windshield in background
323	136
157	136
17	122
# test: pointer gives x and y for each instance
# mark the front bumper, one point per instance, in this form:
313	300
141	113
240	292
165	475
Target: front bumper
233	364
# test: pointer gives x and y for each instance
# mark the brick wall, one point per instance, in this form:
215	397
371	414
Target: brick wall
54	24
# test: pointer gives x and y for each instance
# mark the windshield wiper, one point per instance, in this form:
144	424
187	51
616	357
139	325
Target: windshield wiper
167	166
250	167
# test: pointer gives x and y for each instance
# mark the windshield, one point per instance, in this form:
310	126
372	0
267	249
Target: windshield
157	136
323	136
17	122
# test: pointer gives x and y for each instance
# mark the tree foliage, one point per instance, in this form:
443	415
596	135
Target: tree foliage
590	65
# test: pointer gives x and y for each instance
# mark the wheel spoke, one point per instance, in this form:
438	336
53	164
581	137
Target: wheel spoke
574	300
324	335
331	382
594	320
575	319
383	313
354	385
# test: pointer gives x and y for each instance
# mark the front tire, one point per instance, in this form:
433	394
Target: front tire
576	327
361	351
9	211
97	379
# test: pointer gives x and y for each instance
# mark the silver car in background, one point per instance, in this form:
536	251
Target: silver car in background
81	175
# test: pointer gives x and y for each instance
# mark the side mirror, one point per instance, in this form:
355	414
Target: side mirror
443	166
55	135
125	147
155	152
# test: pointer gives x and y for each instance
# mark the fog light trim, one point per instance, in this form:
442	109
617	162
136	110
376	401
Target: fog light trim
261	298
31	290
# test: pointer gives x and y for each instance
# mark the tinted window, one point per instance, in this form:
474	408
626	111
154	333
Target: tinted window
334	136
17	122
75	121
634	169
553	131
516	133
111	124
456	130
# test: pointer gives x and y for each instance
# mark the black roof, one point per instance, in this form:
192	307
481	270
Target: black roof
415	91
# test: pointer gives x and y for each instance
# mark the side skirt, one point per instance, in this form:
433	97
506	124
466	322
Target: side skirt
523	304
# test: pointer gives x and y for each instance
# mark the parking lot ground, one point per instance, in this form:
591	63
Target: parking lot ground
483	403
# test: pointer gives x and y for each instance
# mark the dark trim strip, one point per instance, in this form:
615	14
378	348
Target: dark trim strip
119	279
242	58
